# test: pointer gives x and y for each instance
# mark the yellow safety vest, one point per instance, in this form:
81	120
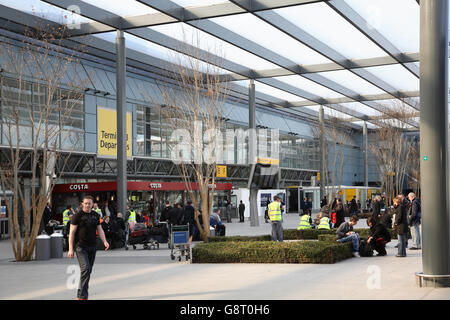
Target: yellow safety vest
275	211
324	223
304	222
66	218
132	216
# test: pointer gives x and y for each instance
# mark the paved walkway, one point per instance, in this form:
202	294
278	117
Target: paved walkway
150	274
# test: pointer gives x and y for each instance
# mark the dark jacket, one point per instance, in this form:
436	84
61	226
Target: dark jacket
376	210
175	215
117	224
340	215
401	219
414	212
188	216
380	231
107	229
386	219
165	213
241	208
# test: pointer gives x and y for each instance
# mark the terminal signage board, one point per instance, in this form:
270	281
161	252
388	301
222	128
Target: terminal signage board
107	132
131	186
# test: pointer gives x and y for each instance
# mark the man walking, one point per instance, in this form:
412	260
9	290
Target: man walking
274	210
84	226
414	217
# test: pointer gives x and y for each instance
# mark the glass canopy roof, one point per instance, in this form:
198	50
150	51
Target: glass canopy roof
342	54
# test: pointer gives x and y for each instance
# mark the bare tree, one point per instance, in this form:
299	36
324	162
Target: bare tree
37	121
392	148
194	113
337	135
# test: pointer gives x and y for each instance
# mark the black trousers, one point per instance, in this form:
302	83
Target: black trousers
86	258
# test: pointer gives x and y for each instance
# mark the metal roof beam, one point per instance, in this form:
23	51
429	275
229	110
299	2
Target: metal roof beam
342	8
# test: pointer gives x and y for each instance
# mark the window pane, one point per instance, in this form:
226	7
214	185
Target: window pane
155	133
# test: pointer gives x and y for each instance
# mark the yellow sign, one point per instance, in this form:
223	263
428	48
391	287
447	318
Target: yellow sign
268	161
221	171
107	132
318	176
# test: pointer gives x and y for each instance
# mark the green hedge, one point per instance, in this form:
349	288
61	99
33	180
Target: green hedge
327	237
271	252
294	234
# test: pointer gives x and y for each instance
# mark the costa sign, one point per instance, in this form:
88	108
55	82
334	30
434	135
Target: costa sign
76	187
132	186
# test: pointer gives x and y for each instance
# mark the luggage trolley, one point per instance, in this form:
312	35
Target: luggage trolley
179	242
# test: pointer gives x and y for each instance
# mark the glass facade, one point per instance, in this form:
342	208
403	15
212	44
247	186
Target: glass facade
152	129
153	132
60	116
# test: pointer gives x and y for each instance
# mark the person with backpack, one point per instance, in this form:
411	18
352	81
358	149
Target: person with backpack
345	233
379	236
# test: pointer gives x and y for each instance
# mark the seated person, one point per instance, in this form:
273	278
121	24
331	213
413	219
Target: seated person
324	222
216	223
379	236
305	221
345	233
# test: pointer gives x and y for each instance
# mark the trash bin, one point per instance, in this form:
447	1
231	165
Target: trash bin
42	247
56	245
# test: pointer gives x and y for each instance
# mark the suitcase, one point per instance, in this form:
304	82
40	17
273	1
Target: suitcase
365	249
138	233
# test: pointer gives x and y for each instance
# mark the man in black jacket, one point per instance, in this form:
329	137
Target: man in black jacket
241	211
401	225
414	218
379	236
165	212
175	215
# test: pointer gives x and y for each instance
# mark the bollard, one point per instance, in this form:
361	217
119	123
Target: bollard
42	247
56	245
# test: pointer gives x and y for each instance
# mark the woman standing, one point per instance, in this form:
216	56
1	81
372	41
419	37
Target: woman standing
401	225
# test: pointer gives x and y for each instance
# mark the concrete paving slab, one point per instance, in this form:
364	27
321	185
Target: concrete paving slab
150	274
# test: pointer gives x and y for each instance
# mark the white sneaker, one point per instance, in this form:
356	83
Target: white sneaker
356	254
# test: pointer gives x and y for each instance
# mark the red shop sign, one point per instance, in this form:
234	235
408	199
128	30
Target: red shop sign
131	186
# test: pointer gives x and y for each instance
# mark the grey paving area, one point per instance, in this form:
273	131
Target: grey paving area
151	274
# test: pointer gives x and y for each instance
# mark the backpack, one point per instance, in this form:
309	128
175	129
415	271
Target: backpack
365	249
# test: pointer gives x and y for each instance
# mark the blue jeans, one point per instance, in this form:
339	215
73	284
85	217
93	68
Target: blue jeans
415	235
277	231
86	258
354	238
402	238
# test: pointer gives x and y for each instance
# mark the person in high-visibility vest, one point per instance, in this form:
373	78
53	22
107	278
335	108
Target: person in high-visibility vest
66	215
305	222
98	210
324	223
275	217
